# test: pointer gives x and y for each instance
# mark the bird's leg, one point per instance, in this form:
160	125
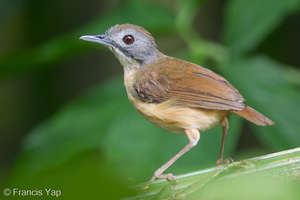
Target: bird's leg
225	127
194	136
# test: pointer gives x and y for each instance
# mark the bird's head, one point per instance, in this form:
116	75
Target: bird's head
133	45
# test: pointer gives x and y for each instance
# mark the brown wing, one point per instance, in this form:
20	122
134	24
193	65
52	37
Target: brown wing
187	84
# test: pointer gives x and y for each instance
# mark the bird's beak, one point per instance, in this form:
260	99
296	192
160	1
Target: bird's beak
102	39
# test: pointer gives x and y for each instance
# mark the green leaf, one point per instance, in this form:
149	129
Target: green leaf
247	23
263	83
273	176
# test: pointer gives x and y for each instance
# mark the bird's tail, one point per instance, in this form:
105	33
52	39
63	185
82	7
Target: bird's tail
254	116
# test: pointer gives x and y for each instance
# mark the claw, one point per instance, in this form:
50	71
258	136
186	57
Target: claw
225	161
169	177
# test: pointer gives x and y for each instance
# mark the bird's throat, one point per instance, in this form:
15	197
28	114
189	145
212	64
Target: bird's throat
127	62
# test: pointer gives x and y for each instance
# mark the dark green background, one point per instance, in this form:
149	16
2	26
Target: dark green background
66	123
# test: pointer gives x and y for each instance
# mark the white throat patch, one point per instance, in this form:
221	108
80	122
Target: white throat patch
126	62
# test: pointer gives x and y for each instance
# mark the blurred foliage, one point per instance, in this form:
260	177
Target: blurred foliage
97	143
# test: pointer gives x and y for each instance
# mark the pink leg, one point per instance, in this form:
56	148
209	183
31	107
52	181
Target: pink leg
225	127
194	136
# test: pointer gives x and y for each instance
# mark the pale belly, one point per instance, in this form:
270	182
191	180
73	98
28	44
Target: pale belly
176	119
172	118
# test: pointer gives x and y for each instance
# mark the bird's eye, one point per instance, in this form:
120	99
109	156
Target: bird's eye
128	39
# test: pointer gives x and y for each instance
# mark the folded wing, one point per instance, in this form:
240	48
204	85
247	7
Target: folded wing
188	85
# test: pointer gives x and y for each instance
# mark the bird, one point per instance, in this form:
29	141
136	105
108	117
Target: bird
176	95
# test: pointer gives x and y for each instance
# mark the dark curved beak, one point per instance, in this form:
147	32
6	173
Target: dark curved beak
102	39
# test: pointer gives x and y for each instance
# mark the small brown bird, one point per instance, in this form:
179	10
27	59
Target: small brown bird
175	95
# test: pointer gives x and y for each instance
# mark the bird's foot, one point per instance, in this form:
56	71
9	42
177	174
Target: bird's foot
225	161
169	176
